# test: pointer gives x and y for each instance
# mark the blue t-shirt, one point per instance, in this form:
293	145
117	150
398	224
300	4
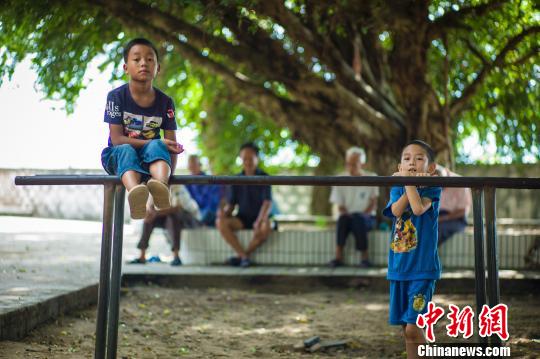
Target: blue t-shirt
207	196
249	198
143	123
413	245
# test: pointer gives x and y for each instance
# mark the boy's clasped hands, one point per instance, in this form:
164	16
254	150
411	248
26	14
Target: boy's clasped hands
407	173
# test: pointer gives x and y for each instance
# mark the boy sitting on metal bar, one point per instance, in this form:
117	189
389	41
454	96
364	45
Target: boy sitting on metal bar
136	112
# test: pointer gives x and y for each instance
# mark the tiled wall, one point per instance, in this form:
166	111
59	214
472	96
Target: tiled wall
294	247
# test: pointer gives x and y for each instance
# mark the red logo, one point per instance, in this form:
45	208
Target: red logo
170	113
429	319
490	321
494	321
460	321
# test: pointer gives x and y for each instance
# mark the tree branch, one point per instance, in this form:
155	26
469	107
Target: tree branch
330	55
535	51
454	19
475	51
238	53
459	104
254	95
191	53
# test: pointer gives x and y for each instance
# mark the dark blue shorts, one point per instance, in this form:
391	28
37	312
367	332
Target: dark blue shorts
247	221
116	160
408	298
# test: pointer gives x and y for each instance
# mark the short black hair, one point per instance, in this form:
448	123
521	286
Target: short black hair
250	145
139	41
429	151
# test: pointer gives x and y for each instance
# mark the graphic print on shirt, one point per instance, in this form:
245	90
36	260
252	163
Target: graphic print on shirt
139	126
405	239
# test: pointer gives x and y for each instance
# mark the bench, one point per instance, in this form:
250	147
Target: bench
205	246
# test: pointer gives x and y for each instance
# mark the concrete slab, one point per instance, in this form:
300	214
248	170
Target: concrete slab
48	267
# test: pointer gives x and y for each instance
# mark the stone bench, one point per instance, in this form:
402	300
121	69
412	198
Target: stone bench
316	247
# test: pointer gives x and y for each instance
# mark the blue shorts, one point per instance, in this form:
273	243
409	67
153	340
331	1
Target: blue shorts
408	298
116	160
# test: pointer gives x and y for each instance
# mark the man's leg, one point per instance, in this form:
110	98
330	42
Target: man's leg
448	228
174	227
360	225
148	228
343	228
227	226
260	234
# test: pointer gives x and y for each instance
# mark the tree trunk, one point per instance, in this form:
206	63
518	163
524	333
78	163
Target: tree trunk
320	203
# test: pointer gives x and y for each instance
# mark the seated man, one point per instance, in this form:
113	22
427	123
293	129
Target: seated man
357	206
254	204
455	204
183	213
207	196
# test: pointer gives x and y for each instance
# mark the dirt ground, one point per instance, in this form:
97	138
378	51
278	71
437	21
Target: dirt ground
160	322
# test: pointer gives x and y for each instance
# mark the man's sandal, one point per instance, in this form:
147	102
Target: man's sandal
137	198
160	193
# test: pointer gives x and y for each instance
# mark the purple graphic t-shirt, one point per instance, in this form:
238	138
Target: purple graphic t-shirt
142	123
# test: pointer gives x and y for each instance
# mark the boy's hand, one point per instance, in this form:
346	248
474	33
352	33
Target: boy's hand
172	146
404	173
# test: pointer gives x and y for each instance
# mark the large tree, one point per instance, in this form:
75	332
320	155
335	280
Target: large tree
333	73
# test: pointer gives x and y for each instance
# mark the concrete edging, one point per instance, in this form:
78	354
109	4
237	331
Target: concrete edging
16	324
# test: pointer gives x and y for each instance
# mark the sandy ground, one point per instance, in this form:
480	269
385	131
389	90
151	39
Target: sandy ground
160	322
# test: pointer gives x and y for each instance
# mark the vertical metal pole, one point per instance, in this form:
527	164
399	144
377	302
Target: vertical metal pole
491	245
104	271
479	263
116	272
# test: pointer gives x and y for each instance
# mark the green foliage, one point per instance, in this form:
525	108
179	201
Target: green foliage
222	124
61	38
507	106
57	40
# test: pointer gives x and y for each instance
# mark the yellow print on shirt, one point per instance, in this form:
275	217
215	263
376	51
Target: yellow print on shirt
404	239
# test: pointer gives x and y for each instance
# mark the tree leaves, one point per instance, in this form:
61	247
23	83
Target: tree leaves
289	67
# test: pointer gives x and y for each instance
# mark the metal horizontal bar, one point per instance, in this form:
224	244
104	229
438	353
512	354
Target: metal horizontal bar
384	181
38	180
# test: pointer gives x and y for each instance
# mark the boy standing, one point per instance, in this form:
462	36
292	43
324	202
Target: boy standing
136	112
413	261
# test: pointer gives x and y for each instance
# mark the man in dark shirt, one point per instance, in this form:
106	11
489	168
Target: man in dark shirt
254	204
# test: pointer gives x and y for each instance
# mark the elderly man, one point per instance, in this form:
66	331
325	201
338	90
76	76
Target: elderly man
356	206
455	204
254	205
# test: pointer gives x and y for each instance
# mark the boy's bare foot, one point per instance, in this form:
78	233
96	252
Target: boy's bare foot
160	193
137	198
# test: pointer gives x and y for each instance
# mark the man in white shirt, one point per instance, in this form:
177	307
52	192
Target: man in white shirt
356	206
183	213
455	204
